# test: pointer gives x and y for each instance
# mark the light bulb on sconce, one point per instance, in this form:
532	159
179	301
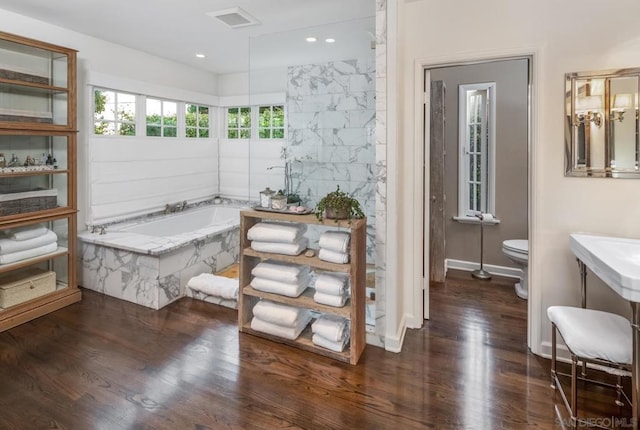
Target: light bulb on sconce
587	110
621	102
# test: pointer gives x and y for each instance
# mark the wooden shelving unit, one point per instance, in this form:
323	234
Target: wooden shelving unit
354	309
38	116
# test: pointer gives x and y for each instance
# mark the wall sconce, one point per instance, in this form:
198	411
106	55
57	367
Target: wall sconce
621	102
587	108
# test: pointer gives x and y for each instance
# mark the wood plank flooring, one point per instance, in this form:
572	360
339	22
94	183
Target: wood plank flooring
108	364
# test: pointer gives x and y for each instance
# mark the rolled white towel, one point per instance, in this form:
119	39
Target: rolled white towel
24	233
326	343
335	283
335	241
331	327
214	285
277	313
8	246
277	287
333	256
280	271
29	253
276	232
281	248
330	299
277	330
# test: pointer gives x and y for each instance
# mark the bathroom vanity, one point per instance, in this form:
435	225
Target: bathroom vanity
617	262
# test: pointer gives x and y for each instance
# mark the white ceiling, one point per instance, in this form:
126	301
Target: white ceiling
176	30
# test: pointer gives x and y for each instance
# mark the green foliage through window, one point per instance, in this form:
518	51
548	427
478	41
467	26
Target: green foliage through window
114	113
197	120
161	118
239	123
271	122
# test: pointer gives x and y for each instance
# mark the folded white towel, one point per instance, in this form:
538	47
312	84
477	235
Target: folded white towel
277	287
280	271
277	313
277	330
330	299
333	256
214	285
336	284
281	248
331	327
8	246
29	253
24	233
335	241
326	343
276	232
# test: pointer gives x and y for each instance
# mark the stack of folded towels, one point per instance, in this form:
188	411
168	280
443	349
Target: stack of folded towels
280	278
215	285
332	289
278	238
334	246
24	243
279	320
331	332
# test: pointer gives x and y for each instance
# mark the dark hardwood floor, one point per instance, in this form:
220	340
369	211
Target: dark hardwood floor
108	364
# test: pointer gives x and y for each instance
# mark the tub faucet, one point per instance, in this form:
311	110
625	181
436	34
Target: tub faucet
178	207
181	206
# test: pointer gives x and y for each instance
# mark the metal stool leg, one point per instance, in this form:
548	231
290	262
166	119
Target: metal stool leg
574	390
554	369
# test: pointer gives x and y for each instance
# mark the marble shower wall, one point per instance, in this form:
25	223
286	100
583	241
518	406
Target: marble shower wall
331	109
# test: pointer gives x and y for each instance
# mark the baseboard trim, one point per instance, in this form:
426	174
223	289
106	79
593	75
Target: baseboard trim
469	266
394	343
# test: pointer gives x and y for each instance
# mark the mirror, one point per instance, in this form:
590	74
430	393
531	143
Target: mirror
601	124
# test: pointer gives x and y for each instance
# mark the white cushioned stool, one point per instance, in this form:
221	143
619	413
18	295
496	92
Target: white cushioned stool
592	336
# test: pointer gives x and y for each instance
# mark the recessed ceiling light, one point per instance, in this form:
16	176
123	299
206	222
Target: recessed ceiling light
200	55
330	40
310	39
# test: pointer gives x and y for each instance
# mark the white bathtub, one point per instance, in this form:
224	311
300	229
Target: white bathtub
186	222
149	262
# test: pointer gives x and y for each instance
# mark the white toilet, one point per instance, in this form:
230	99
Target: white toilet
517	250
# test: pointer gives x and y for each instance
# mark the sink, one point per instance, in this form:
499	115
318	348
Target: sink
615	260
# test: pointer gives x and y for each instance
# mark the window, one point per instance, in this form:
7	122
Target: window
476	189
197	120
114	113
239	123
162	118
271	122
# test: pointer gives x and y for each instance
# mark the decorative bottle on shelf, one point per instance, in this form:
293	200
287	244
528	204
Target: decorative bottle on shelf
49	161
14	161
3	161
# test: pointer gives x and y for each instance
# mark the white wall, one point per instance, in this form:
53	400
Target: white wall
565	37
120	64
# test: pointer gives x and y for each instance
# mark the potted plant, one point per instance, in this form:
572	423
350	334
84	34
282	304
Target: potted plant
338	205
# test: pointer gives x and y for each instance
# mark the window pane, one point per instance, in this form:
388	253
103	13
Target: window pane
126	129
191	132
154	111
232	134
203	120
245	134
203	110
203	132
232	118
245	118
278	116
153	130
278	133
265	116
472	139
265	133
472	205
190	119
170	132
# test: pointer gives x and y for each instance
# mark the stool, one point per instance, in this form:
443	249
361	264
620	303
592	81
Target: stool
592	336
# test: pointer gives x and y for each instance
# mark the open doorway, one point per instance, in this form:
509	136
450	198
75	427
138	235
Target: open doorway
487	173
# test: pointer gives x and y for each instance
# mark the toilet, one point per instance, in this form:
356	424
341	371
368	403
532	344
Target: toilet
517	250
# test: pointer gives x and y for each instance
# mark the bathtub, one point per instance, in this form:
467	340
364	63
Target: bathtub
149	262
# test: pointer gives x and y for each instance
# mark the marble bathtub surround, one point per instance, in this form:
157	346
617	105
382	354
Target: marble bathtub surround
154	271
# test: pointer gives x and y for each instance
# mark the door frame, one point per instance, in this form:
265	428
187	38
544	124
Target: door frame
421	180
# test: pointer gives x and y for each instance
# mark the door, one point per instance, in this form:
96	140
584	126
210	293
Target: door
436	184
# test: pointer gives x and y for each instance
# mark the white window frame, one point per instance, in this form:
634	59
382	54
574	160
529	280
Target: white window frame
164	126
271	128
488	151
197	126
251	128
115	121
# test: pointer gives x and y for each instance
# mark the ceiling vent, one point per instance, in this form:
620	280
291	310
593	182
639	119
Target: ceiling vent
234	17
